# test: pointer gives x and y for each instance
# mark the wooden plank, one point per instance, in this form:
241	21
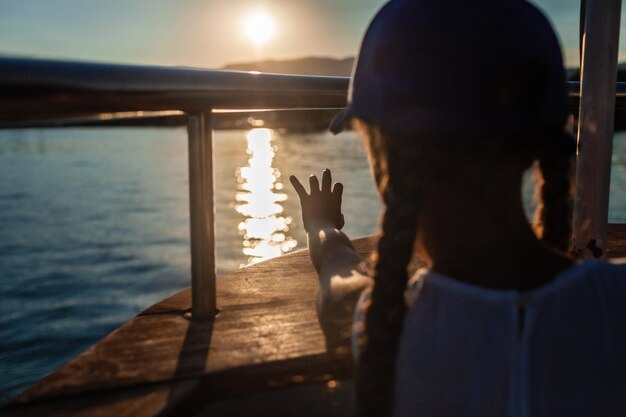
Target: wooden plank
240	391
616	247
266	336
267	316
138	402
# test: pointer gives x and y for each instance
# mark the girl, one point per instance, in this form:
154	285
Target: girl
455	100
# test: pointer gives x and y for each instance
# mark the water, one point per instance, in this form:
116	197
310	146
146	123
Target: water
94	225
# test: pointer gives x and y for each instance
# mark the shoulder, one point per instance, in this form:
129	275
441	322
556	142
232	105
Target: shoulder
618	262
413	288
611	269
595	277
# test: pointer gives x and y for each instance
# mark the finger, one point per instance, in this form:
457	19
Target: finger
326	181
314	184
338	191
298	187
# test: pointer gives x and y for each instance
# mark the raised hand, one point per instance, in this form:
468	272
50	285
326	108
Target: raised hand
322	207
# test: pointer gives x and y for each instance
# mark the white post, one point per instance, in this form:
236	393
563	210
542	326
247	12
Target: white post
595	128
202	217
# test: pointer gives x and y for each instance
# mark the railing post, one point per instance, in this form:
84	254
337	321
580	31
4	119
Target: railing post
595	127
202	217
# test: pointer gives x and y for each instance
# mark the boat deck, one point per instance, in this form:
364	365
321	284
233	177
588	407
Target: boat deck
263	351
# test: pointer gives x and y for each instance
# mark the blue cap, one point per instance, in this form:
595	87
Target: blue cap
453	67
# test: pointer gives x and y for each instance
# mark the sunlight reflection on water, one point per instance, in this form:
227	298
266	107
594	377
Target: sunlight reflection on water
259	200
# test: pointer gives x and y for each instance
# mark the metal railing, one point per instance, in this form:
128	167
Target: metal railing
600	26
37	93
53	93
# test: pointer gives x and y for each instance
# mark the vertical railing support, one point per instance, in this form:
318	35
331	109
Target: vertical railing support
202	217
595	127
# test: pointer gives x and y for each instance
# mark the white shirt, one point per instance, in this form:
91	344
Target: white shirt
558	350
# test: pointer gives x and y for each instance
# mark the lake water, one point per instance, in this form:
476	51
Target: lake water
94	224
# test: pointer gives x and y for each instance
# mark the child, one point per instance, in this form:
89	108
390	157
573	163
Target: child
454	101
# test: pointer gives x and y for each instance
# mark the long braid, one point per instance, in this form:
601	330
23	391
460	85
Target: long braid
385	316
553	215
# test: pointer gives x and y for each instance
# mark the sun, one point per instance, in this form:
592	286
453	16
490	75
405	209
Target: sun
259	27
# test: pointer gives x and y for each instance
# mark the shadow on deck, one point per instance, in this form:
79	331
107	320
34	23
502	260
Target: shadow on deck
264	354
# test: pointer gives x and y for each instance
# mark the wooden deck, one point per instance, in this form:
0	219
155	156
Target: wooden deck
265	338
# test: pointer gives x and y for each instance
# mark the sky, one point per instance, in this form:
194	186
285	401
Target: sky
208	33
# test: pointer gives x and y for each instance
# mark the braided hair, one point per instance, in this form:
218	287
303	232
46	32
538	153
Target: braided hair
553	215
398	165
385	315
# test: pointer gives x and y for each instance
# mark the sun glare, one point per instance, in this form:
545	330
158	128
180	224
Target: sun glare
259	27
264	228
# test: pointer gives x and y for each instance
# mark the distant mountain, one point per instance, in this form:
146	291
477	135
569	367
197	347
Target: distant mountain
304	66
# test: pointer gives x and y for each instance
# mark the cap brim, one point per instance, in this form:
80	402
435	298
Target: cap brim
340	122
